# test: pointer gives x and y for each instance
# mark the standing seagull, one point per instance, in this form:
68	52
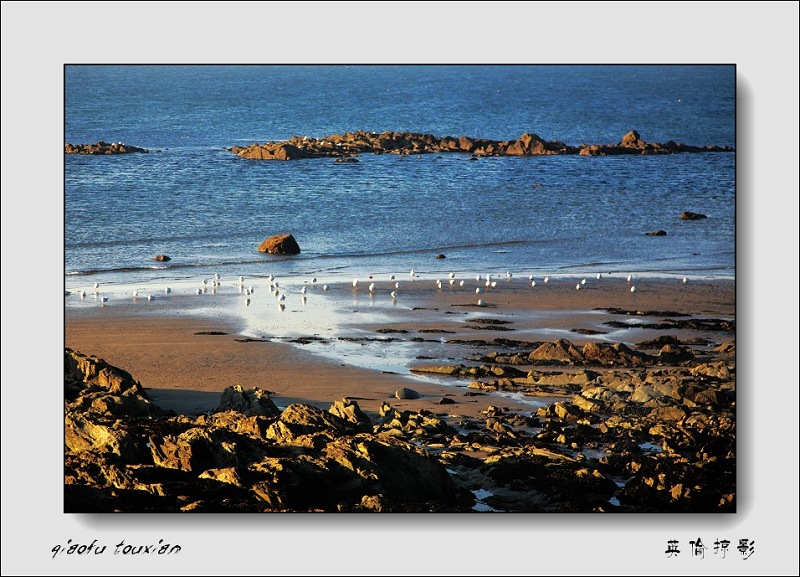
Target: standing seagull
633	289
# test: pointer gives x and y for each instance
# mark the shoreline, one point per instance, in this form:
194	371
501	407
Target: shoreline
360	346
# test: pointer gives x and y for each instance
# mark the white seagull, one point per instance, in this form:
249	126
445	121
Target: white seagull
151	297
371	287
578	286
167	290
480	302
393	294
478	290
355	283
546	279
324	287
633	289
303	290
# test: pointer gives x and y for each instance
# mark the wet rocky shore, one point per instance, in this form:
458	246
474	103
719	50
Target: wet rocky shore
644	429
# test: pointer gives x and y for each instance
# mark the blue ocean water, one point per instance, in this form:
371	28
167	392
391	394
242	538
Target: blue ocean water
208	209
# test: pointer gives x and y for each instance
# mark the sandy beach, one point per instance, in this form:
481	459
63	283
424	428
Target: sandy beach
163	345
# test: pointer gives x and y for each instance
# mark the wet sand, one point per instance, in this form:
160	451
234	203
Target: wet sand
157	342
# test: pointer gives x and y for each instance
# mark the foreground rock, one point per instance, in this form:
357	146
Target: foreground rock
623	431
350	144
102	147
280	244
248	456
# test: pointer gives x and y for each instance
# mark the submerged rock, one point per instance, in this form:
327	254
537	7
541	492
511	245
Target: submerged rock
102	147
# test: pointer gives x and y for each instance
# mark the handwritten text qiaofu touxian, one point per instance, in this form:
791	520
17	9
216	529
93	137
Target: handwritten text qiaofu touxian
121	548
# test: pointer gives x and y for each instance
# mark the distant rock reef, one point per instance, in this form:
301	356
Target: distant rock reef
351	144
102	147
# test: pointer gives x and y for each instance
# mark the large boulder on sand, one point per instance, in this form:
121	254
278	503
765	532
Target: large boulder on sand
250	402
280	244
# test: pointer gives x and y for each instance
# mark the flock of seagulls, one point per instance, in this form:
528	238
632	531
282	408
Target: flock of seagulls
485	283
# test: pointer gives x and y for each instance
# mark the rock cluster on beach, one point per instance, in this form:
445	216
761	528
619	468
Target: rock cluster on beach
351	144
102	147
645	429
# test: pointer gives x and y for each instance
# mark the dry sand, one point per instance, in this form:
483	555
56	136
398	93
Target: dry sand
186	371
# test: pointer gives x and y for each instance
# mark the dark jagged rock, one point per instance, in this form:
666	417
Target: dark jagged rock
689	215
280	244
102	147
249	402
561	351
161	258
616	354
349	410
656	233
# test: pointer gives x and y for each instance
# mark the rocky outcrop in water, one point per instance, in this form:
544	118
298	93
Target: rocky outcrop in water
102	147
280	244
351	144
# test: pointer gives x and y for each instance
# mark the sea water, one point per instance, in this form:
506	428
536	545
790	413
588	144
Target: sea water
207	209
